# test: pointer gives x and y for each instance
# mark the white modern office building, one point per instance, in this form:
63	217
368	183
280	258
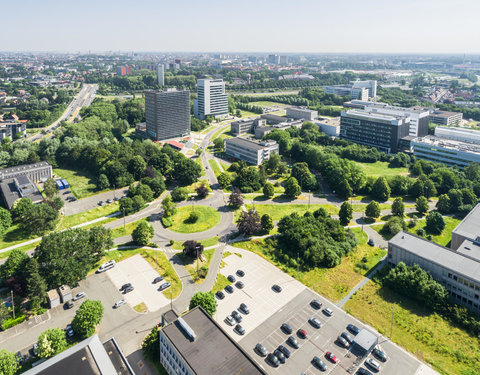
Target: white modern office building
161	74
370	85
330	126
359	90
458	134
211	99
253	152
301	113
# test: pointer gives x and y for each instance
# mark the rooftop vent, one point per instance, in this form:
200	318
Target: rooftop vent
187	329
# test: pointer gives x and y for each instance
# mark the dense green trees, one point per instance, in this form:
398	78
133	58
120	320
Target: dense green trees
15	264
179	194
266	223
292	188
398	207
143	233
51	342
39	219
372	210
87	318
5	220
36	285
248	222
8	363
268	190
205	299
224	180
421	205
306	179
345	213
381	189
249	180
443	204
435	223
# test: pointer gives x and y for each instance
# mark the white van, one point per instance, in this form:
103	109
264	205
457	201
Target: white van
106	266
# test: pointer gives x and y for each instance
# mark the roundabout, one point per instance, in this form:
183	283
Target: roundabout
204	218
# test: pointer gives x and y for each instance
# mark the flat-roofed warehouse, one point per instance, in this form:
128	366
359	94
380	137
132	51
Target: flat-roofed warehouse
36	172
196	344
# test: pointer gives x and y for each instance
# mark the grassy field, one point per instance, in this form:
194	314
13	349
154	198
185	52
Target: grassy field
381	168
208	218
85	216
191	264
277	211
82	184
215	168
129	228
159	261
191	188
221	283
177	245
383	206
269	104
221	130
430	338
333	283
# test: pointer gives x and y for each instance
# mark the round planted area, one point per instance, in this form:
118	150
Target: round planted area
190	219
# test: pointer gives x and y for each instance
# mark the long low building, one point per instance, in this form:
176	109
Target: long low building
40	171
302	113
253	152
245	126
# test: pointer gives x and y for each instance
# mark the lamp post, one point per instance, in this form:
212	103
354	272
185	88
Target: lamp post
13	305
298	258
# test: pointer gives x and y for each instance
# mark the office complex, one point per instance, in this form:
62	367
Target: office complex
195	344
372	129
273	59
211	99
161	74
301	113
443	117
245	126
167	114
361	90
253	152
37	172
330	126
457	269
283	60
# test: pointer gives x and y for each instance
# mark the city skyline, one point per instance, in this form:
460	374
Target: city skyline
310	27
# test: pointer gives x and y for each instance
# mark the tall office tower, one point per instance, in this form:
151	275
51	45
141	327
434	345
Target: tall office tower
211	99
160	75
273	59
283	60
370	85
167	113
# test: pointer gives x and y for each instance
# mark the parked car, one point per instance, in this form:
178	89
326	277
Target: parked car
302	333
363	371
240	273
164	286
315	322
370	242
286	328
319	363
116	199
68	305
106	266
157	279
244	308
239	329
125	286
342	341
239	285
353	328
381	355
128	289
19	358
284	350
332	357
79	296
229	289
109	201
293	342
328	311
229	320
220	294
237	316
373	364
277	288
272	358
101	203
35	349
231	278
69	331
280	356
316	303
119	303
261	350
347	337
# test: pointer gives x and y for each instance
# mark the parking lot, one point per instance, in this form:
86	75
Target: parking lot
137	271
270	309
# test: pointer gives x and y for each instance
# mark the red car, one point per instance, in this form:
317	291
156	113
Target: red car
302	333
331	357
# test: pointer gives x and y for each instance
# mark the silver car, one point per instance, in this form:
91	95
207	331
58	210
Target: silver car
119	303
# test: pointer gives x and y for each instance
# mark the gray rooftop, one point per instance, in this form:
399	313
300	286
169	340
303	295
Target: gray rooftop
10	193
365	339
244	142
24	167
213	352
469	248
469	227
442	256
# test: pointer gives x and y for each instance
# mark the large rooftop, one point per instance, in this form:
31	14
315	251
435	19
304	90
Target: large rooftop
469	227
249	143
373	116
450	144
213	352
24	167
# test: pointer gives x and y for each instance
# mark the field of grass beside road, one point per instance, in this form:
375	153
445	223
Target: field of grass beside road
215	168
277	211
191	264
82	184
208	218
381	168
86	216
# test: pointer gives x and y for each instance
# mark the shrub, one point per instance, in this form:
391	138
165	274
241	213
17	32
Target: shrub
192	218
9	323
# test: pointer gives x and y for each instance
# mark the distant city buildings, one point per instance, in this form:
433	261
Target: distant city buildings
167	114
124	70
161	74
302	113
283	60
273	59
361	90
211	99
253	152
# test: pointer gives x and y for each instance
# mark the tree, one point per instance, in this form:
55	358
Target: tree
218	144
5	220
345	213
137	202
206	300
20	208
192	249
443	204
268	190
421	205
236	199
36	286
344	190
142	190
372	210
143	233
301	172
273	162
394	225
435	223
126	205
202	191
168	206
50	188
456	199
179	194
267	223
136	166
381	189
398	208
51	342
429	188
39	219
186	171
87	318
151	345
248	222
292	188
15	264
103	182
224	180
249	180
417	189
8	363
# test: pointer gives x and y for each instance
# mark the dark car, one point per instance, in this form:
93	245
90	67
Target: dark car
347	337
272	358
319	363
342	341
236	315
244	308
164	286
239	285
302	333
261	350
315	322
229	289
128	289
316	303
284	350
19	358
279	355
277	288
157	279
239	329
220	294
370	242
240	273
293	342
109	201
354	329
286	328
382	356
363	371
125	286
231	278
68	305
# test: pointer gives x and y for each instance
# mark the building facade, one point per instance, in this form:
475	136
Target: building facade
253	152
371	129
36	172
161	74
330	126
446	118
211	99
344	90
370	85
246	126
11	128
300	113
167	114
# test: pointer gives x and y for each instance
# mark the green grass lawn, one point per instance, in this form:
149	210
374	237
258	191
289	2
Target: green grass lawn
127	230
221	283
208	218
225	166
277	211
383	206
177	245
160	262
381	168
269	104
215	168
191	188
13	236
83	217
430	338
191	264
82	184
222	129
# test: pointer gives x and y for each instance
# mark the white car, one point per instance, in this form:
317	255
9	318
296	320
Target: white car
373	364
119	303
79	295
106	266
328	311
229	320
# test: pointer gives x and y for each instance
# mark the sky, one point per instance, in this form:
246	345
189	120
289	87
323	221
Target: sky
316	26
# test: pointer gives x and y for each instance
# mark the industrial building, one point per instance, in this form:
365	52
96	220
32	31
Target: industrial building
301	113
195	344
468	229
253	152
211	99
36	172
167	114
245	126
361	90
330	126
